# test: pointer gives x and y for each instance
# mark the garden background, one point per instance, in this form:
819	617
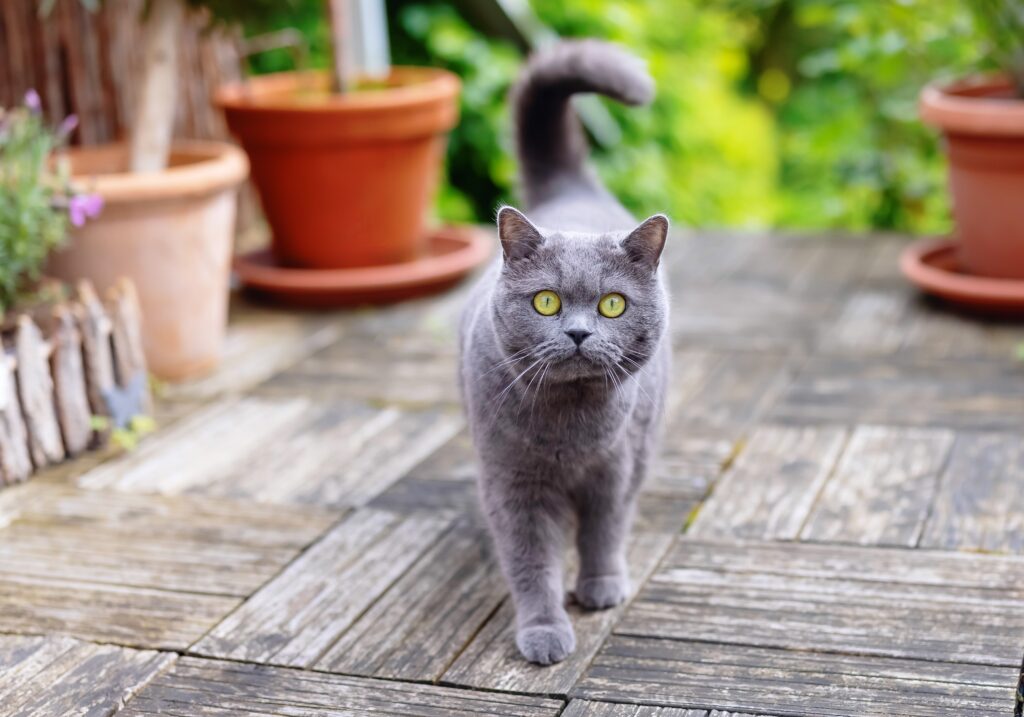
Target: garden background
770	113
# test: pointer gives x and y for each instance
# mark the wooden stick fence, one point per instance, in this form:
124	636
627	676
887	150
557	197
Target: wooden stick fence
85	361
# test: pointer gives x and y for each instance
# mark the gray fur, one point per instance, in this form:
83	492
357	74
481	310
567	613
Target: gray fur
565	434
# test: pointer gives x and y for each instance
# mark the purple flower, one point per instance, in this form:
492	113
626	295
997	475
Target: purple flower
84	206
67	126
32	101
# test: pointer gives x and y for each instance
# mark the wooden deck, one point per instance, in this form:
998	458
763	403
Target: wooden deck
836	526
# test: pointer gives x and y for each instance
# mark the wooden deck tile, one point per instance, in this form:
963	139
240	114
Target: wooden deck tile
587	708
62	677
198	688
136	617
980	501
913	391
757	680
296	618
184	544
882	487
491	661
418	628
771	487
865	601
283	451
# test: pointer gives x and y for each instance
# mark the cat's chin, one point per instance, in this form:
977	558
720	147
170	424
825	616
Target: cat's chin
577	367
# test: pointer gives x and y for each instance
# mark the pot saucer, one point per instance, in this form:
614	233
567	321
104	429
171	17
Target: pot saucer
933	265
452	252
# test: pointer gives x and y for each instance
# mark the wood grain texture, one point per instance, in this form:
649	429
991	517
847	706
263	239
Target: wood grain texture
15	459
419	626
588	708
126	338
771	487
200	688
192	545
882	487
35	391
134	617
908	391
980	503
97	351
297	617
492	661
837	602
756	680
62	677
205	444
69	385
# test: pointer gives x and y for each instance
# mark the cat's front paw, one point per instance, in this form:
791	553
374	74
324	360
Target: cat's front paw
546	644
603	591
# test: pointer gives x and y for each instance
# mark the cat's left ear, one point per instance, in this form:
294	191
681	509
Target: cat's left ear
645	243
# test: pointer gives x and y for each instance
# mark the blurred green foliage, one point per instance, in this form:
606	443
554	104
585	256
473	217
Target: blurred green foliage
792	113
32	218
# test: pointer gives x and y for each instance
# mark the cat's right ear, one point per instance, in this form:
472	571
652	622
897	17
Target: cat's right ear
519	238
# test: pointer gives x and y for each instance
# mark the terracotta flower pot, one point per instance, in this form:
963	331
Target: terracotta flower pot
171	232
984	127
345	180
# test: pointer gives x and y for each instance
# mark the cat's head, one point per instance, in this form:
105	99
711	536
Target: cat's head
579	306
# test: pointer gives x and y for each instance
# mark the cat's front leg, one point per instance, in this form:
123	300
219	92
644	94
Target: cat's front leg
605	515
530	540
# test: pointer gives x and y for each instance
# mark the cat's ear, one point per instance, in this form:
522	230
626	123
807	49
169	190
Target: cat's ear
519	238
644	244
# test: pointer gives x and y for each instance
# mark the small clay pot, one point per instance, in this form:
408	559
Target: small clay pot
345	180
983	122
171	232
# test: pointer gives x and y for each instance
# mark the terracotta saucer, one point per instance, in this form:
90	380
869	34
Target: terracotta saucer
932	264
452	253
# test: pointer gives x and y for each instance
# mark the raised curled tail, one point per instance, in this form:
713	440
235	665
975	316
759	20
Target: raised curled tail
550	143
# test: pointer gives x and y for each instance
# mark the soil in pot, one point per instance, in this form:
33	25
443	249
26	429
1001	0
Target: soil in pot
345	180
983	123
171	232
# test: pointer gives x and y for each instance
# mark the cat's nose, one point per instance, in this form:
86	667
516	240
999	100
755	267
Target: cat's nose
577	335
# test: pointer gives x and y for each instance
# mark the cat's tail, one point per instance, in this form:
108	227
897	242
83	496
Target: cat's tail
550	143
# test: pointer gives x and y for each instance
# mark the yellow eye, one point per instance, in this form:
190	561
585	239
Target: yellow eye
612	305
547	303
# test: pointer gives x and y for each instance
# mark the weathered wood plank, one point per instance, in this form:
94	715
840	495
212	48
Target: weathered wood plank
416	629
882	487
178	544
297	617
768	604
97	352
756	680
913	391
35	390
69	382
980	502
205	444
197	687
587	708
771	487
135	617
62	677
15	460
492	661
339	454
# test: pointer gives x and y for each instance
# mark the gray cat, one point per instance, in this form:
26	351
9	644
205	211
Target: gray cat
564	358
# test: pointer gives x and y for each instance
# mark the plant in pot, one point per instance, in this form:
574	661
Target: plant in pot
346	163
38	205
982	119
169	208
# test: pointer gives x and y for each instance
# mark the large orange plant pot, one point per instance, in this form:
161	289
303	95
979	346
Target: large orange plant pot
983	123
171	232
345	180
